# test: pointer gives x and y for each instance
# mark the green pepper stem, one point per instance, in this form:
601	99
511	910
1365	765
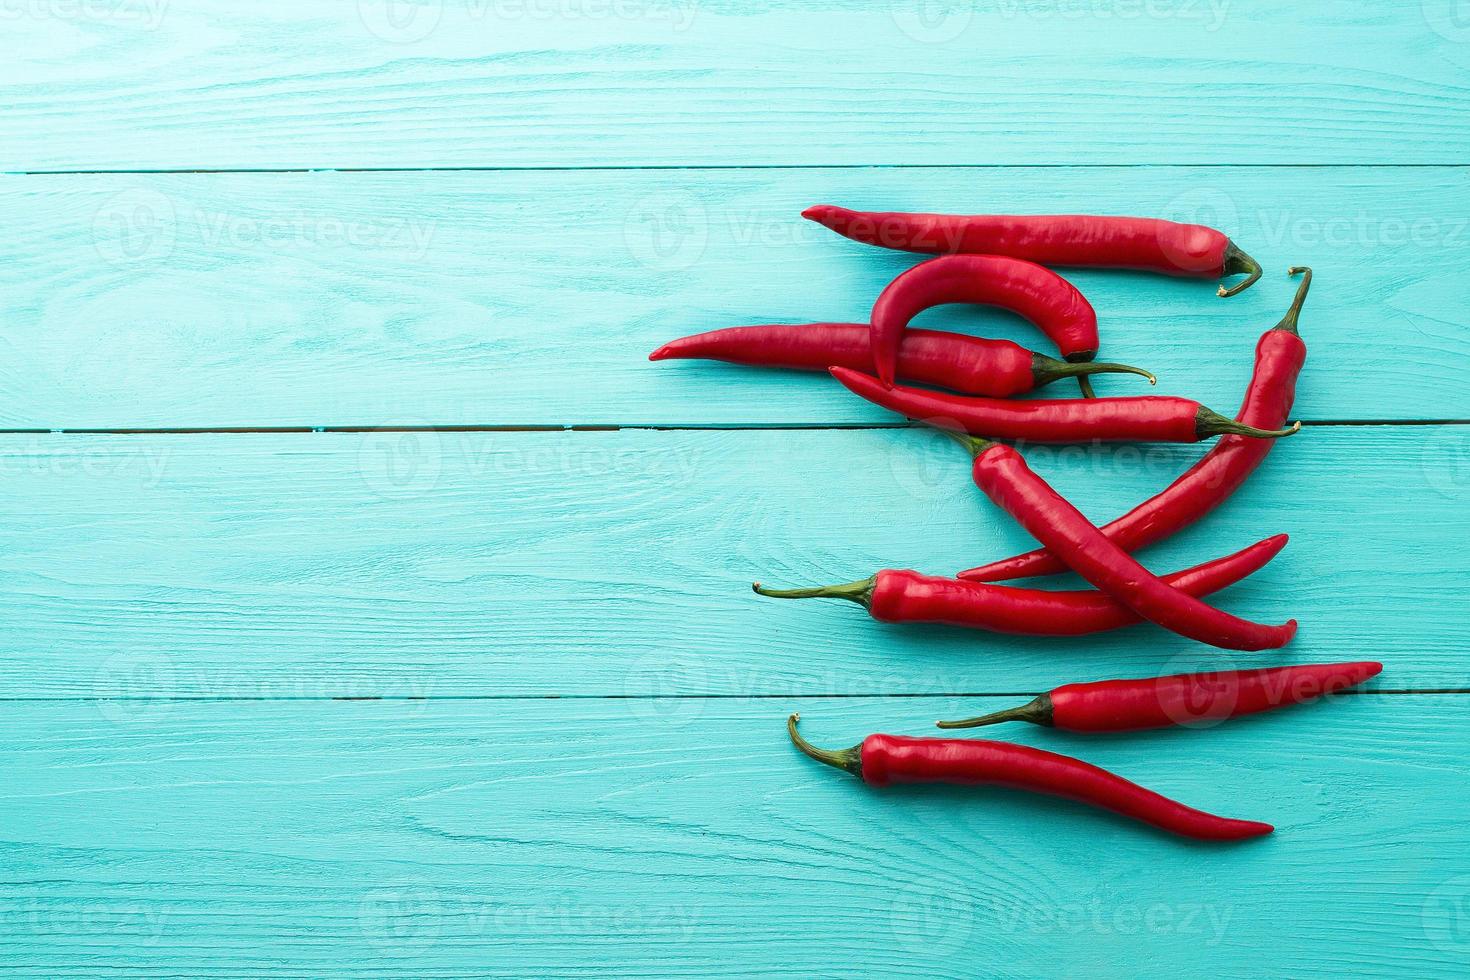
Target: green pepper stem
1045	370
860	592
1237	262
1294	312
849	760
1037	712
974	445
1209	423
1083	383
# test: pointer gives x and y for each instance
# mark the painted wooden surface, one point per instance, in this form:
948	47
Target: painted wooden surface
591	563
510	299
148	84
401	701
629	838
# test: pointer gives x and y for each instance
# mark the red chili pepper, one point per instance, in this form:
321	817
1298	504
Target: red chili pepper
950	360
1178	699
903	596
1149	418
1024	288
1100	241
884	759
1280	354
1006	479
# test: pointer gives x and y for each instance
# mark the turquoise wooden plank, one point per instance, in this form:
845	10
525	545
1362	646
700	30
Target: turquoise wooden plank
146	84
526	299
525	563
661	838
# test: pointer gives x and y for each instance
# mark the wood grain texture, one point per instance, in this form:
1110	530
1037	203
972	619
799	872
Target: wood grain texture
146	84
492	564
616	838
526	299
581	769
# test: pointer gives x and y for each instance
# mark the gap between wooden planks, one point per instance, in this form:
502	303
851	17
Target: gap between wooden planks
450	563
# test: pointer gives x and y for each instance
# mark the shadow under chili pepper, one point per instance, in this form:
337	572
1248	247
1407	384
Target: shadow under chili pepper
944	643
1030	817
1071	743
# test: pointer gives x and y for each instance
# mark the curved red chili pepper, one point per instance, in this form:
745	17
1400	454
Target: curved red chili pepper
1049	518
1280	354
1178	699
1024	288
949	360
882	760
1152	418
1099	241
903	596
